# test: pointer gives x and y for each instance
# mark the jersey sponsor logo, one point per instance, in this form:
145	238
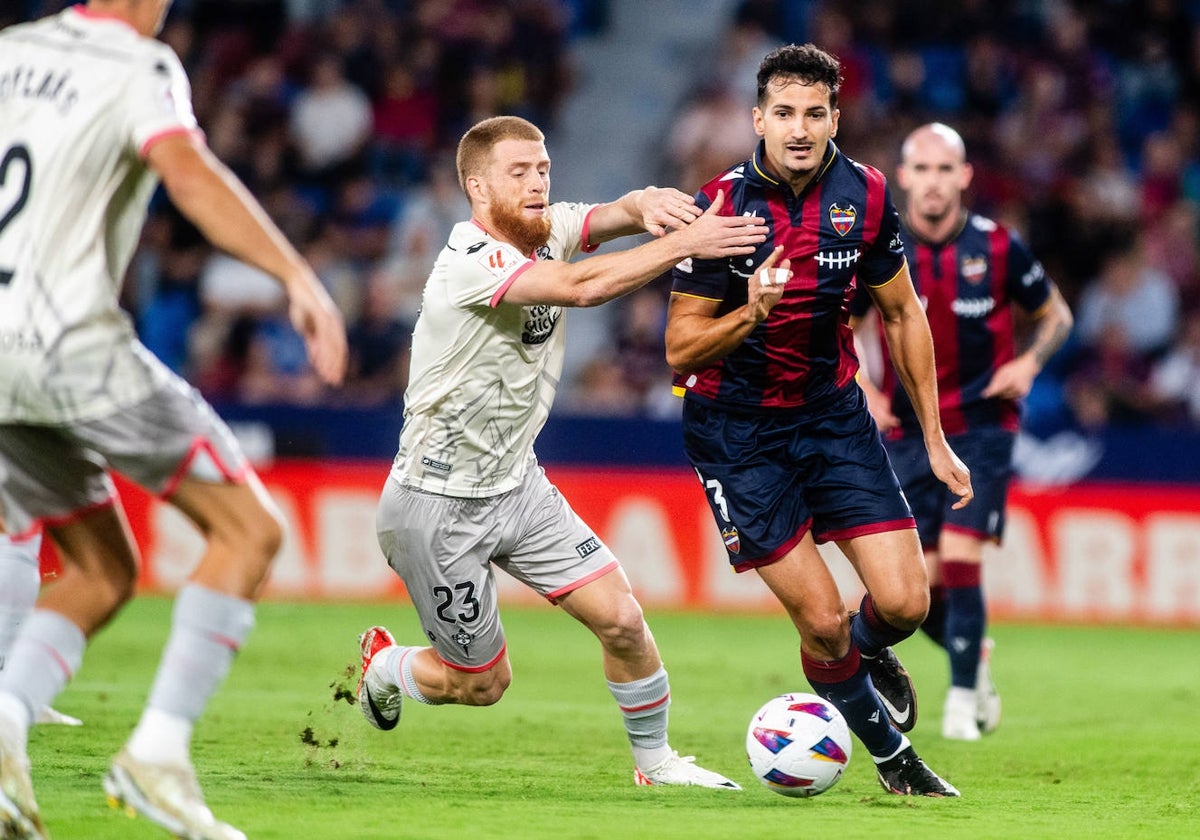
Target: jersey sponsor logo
437	466
588	546
21	341
837	259
973	269
731	538
539	325
1033	275
842	218
973	307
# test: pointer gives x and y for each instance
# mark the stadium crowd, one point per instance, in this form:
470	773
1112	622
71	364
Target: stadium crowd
1082	121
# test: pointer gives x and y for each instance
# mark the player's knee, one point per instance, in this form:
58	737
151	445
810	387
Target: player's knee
904	610
485	689
829	628
623	629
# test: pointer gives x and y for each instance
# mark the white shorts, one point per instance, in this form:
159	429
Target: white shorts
51	474
444	548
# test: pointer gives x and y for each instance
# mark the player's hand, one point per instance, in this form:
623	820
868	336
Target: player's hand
1013	379
317	319
714	237
952	472
765	286
880	406
666	208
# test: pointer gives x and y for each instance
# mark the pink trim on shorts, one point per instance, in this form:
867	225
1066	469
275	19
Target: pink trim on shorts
474	669
201	443
495	301
864	530
67	518
164	134
776	555
553	597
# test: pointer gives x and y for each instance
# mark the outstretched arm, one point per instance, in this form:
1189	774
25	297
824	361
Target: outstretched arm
911	347
651	210
214	200
604	277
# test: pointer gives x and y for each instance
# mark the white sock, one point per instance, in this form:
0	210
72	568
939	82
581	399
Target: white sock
397	664
14	711
20	581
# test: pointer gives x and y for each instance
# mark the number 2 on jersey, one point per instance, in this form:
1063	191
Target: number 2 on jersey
13	155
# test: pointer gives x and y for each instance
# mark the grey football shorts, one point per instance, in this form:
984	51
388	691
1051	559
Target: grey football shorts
51	474
444	548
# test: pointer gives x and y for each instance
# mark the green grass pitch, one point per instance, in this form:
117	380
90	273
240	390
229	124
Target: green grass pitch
1100	738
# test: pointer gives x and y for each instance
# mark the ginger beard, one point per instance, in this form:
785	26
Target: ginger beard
528	234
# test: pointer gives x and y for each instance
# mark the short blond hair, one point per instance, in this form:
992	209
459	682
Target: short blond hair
475	147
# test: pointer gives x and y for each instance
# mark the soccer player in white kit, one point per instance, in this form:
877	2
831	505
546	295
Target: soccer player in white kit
466	493
93	113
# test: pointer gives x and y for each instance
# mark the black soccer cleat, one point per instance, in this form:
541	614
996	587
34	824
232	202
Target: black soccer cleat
905	774
895	688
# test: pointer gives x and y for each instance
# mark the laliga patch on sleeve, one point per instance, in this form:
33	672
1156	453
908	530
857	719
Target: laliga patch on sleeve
501	260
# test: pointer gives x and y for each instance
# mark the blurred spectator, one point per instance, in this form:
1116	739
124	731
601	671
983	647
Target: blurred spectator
1130	298
330	122
711	134
379	344
1174	388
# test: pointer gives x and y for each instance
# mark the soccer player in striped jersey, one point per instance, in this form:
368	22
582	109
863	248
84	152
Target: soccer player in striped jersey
981	287
94	114
774	423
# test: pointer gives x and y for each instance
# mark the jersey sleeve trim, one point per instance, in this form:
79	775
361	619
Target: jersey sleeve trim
173	131
499	295
695	297
890	279
585	237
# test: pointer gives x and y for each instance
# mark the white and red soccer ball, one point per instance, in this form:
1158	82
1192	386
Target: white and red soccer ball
798	745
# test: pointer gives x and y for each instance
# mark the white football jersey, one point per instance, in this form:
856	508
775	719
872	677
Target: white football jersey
484	372
82	99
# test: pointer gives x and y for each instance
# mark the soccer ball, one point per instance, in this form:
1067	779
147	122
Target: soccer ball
798	744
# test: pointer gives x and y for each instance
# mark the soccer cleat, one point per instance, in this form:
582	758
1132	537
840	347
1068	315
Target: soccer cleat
378	699
958	715
19	818
987	698
895	688
168	795
53	717
682	770
905	774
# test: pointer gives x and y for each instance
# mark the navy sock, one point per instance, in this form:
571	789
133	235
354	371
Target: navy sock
844	683
934	625
966	619
870	633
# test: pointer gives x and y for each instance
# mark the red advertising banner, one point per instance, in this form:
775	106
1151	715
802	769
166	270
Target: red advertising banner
1090	552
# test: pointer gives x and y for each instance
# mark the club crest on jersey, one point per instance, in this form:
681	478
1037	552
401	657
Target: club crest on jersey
731	539
842	218
973	269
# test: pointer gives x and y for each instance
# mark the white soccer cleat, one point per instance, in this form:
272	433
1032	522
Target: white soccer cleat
53	717
379	699
19	818
681	770
165	794
958	715
987	698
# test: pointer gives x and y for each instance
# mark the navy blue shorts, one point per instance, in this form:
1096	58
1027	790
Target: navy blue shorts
988	454
771	477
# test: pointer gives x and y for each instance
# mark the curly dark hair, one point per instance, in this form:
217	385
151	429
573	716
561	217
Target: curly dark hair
807	63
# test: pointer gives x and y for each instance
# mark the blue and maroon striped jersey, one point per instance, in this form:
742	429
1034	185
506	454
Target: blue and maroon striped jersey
841	229
968	285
